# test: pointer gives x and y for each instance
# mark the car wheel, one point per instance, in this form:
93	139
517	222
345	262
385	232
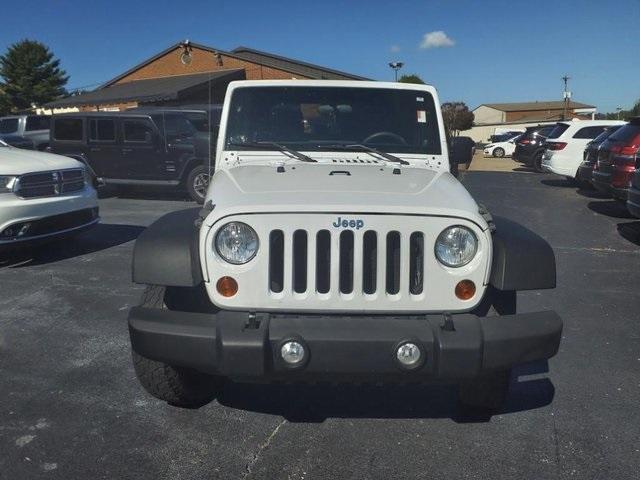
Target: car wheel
537	163
198	183
487	393
178	386
498	152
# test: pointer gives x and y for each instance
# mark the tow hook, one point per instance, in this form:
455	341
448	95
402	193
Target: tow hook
447	324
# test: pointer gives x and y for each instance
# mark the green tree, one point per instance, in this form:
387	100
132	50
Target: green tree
411	78
457	117
30	75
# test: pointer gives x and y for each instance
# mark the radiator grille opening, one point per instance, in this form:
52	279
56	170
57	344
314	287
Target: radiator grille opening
323	261
346	261
416	263
300	261
276	261
393	263
369	261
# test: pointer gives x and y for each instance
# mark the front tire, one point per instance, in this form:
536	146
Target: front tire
498	152
487	393
178	386
537	163
197	183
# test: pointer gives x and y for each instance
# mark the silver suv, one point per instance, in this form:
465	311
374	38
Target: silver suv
29	128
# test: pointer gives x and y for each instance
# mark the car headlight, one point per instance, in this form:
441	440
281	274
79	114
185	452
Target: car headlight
236	243
456	246
7	183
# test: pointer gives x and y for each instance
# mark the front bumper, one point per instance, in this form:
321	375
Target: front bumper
633	202
240	345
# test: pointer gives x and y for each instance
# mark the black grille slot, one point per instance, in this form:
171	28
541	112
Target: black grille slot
346	261
323	261
416	263
71	175
300	261
46	184
276	261
393	262
369	261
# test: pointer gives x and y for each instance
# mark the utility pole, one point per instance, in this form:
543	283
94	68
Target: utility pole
567	96
396	66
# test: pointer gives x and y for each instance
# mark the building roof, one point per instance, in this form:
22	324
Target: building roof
543	105
148	90
295	66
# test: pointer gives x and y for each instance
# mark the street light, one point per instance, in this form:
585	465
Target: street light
396	66
618	109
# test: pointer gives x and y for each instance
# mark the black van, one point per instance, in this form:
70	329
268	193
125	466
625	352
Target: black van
151	146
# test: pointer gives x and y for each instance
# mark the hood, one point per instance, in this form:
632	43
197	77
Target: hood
321	187
14	161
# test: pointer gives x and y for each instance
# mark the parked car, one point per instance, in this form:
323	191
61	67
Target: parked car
503	137
42	197
633	200
530	147
461	152
617	161
33	129
18	142
565	144
503	148
590	156
162	147
334	243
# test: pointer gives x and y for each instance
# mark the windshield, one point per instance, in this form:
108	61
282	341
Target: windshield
9	125
311	118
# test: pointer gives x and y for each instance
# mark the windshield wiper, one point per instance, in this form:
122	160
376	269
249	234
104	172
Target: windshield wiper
283	148
387	156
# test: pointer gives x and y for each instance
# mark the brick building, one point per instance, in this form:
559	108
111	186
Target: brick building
190	73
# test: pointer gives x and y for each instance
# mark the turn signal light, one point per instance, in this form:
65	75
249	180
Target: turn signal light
227	286
465	289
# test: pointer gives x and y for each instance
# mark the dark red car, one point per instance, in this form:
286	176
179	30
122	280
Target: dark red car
617	161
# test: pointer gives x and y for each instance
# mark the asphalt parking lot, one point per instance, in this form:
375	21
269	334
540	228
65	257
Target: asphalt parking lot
70	406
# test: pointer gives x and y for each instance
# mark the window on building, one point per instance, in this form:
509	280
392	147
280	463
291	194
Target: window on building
139	131
103	130
38	122
69	129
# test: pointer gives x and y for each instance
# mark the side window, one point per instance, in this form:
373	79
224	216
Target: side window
69	129
38	122
102	130
178	126
137	131
589	132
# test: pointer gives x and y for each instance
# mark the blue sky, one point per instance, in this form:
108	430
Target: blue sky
502	51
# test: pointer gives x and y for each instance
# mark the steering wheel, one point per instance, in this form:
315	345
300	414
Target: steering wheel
394	136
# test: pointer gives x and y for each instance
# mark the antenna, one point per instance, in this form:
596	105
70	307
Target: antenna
566	96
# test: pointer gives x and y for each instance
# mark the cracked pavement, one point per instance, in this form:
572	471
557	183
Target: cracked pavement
71	408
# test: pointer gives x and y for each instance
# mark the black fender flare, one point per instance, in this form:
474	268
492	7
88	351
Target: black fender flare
522	260
167	252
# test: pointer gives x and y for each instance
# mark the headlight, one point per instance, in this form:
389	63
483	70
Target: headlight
456	246
7	183
236	243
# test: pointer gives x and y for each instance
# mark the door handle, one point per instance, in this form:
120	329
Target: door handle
94	149
127	150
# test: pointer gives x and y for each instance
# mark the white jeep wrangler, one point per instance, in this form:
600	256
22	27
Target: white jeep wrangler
334	244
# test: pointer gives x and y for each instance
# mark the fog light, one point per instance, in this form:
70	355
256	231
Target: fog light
292	353
227	286
465	289
409	354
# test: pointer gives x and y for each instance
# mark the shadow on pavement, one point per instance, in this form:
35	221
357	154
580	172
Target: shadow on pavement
101	237
610	208
524	169
592	193
558	182
630	231
316	403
